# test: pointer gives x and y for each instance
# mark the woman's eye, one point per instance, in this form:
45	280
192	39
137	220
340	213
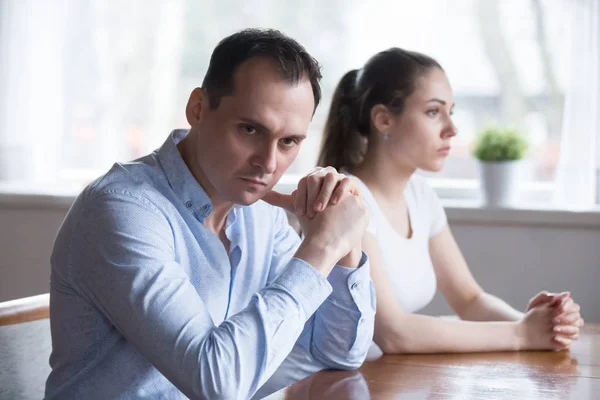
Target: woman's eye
432	113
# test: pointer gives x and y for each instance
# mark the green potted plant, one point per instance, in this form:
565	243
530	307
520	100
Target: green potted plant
500	151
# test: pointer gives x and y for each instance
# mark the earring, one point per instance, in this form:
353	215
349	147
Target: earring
386	137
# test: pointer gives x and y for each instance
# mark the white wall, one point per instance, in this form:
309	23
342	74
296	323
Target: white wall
512	254
515	262
26	237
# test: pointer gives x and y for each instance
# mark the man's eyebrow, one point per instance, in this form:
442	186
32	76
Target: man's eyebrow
296	137
261	127
255	123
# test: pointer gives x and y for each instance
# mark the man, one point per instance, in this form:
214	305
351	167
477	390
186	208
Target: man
170	278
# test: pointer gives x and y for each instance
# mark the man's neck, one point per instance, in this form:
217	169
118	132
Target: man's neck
218	216
220	208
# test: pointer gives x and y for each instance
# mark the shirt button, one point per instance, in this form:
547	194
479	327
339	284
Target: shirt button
355	286
360	321
205	207
188	204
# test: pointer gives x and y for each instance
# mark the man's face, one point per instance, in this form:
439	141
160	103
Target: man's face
245	144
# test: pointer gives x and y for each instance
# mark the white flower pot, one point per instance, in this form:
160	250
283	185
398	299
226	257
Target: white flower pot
500	182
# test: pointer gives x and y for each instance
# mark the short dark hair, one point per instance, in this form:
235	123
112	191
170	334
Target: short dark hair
292	59
388	78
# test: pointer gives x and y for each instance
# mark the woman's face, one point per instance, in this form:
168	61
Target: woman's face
420	136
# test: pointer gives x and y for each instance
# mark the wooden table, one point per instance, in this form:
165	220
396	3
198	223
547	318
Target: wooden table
573	374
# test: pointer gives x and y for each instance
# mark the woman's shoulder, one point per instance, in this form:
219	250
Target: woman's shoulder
426	203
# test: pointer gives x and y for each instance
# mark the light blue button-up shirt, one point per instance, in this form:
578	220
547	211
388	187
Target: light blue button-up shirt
145	302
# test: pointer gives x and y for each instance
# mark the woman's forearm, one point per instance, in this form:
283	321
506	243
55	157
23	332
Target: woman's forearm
487	307
415	333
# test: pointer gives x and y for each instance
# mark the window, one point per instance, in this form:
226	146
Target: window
86	83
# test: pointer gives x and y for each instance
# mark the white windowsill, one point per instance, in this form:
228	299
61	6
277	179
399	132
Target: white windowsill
36	200
458	211
461	211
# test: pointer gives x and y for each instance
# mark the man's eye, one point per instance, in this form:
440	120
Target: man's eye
289	142
249	129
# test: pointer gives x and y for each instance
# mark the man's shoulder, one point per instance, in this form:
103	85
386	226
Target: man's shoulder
138	180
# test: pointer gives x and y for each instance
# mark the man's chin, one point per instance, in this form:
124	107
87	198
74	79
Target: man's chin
248	198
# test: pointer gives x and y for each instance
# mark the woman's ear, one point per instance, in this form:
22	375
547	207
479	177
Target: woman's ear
381	120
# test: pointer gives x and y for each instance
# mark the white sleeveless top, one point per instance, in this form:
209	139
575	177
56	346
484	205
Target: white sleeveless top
407	261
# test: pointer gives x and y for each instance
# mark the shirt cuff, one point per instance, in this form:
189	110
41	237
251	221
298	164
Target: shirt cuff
307	286
352	285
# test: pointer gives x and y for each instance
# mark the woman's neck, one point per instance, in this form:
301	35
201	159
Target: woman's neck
383	179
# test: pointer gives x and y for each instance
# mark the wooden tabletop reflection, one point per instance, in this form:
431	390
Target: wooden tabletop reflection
573	374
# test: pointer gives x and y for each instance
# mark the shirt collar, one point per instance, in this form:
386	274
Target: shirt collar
180	178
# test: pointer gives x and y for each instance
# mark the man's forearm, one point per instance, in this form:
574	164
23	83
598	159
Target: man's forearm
352	259
320	255
338	335
344	323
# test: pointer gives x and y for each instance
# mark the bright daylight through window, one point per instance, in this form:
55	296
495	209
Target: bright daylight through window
86	83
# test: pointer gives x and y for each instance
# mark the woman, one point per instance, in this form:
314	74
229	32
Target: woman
387	120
